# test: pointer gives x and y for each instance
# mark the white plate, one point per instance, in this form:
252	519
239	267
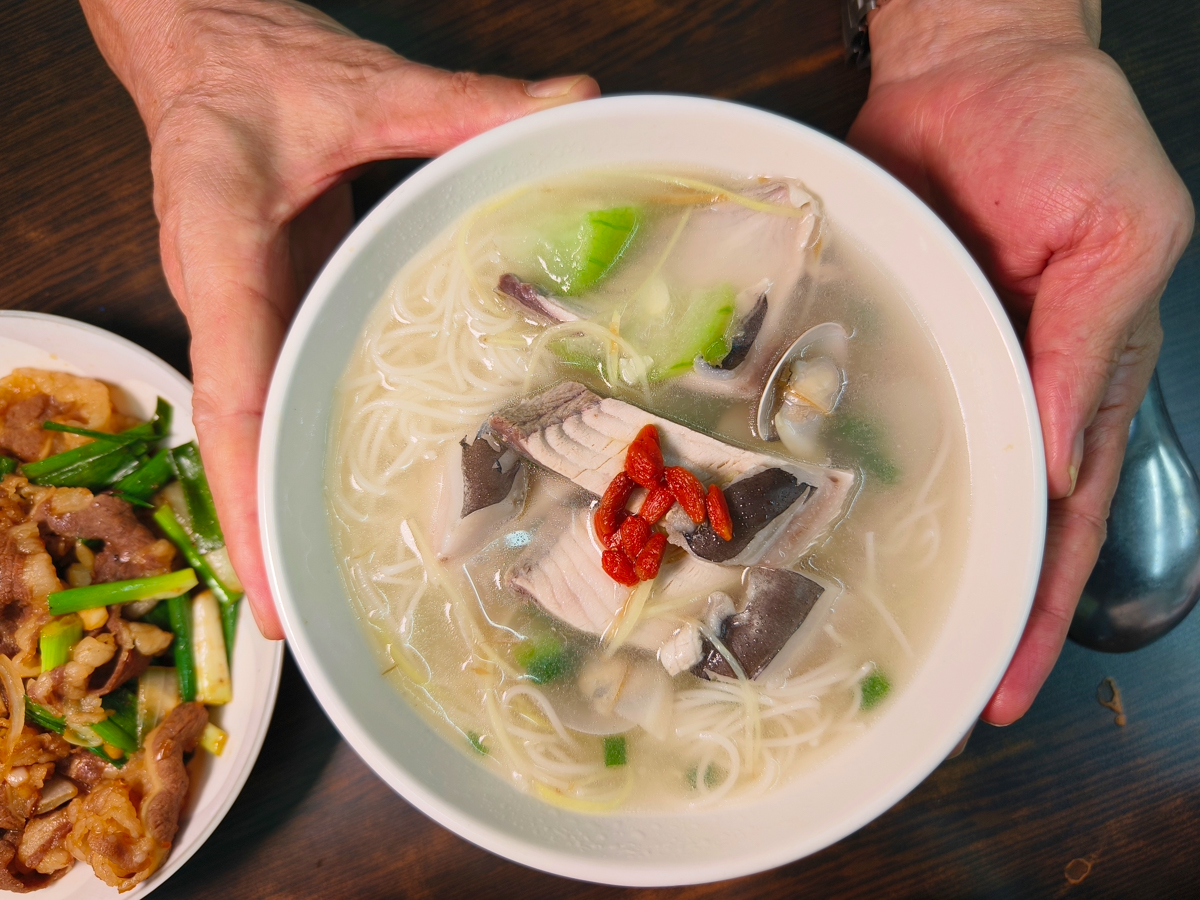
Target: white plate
52	342
1003	544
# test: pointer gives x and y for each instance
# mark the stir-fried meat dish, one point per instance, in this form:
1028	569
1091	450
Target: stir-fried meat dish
109	659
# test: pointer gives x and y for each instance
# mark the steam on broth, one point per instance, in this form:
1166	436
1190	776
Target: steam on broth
607	628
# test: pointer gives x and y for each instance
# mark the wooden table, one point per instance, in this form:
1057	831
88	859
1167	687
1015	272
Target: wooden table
1062	803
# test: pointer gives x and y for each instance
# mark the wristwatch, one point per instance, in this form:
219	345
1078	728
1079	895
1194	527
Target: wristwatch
854	31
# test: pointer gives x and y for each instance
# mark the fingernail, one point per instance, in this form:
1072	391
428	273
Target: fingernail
1076	462
553	87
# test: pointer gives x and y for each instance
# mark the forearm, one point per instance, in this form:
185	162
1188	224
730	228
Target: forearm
911	37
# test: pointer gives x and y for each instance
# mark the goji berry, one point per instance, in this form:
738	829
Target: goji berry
643	459
687	490
634	532
610	514
718	513
648	561
656	504
619	567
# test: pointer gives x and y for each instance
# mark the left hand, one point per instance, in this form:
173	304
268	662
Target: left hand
1005	117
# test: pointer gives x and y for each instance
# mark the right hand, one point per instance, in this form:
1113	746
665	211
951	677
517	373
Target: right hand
258	115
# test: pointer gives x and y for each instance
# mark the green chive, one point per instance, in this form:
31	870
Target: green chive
8	465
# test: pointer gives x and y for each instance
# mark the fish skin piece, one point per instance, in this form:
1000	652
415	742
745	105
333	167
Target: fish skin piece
582	436
468	517
777	603
533	299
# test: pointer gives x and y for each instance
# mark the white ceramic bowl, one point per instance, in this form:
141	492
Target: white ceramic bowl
52	342
917	729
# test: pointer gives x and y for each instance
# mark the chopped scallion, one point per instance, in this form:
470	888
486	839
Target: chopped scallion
180	609
155	587
213	739
614	750
43	718
189	470
874	688
57	638
8	465
146	480
228	600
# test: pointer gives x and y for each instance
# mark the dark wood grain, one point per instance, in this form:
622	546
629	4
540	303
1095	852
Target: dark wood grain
1006	819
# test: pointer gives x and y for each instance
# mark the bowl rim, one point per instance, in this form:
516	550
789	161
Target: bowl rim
377	757
180	855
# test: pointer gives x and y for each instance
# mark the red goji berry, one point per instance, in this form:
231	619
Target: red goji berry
718	513
619	567
610	514
634	532
648	561
656	504
643	459
687	490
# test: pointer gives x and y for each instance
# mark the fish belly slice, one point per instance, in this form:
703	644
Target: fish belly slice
582	436
565	578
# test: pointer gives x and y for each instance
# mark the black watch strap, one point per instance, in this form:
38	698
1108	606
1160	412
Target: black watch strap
854	31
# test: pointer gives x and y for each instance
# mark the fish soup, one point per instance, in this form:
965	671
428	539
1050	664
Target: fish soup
649	486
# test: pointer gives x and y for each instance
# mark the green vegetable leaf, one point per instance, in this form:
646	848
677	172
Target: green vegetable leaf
582	256
874	688
544	658
697	324
8	465
866	442
614	750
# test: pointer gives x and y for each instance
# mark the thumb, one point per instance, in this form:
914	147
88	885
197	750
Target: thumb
1090	313
416	110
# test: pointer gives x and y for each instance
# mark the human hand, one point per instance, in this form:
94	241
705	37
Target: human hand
259	113
1029	142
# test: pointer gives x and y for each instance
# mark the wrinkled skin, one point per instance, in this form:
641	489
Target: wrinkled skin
1030	143
1001	113
258	114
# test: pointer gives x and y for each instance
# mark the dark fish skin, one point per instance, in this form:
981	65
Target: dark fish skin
533	299
744	339
483	482
777	603
525	418
754	502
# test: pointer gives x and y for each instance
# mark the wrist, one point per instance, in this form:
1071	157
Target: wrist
911	37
